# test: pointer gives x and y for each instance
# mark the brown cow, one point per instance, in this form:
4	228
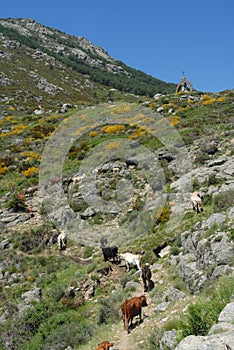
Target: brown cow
105	345
131	308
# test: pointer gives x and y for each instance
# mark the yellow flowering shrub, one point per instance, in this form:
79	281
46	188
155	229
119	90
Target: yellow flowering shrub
206	97
209	102
9	118
17	129
120	109
174	119
3	169
152	105
31	155
32	171
113	129
140	132
28	140
93	133
221	99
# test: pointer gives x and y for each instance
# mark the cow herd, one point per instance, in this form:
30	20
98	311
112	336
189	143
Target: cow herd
130	307
133	307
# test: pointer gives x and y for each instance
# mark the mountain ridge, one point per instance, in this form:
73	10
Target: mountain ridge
79	66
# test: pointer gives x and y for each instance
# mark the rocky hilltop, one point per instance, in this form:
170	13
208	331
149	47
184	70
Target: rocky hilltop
121	173
44	68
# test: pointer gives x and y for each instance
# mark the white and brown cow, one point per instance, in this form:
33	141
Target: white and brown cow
196	202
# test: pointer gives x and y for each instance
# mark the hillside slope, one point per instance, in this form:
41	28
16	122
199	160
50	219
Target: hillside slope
121	171
56	299
44	66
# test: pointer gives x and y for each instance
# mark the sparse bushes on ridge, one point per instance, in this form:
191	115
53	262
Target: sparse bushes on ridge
153	341
109	307
203	314
223	200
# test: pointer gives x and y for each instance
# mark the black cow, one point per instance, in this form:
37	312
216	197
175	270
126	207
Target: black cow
146	277
66	183
110	253
130	162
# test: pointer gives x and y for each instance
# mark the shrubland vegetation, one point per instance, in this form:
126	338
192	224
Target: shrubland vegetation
204	122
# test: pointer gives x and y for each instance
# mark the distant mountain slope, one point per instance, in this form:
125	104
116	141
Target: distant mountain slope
38	59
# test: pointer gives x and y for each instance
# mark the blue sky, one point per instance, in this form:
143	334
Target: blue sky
160	37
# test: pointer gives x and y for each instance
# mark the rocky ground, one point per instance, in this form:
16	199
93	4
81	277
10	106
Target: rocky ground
198	251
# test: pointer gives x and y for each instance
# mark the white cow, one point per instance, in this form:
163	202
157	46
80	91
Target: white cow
134	259
196	202
62	241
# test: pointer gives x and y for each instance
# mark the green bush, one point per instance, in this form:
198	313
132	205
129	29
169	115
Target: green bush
153	341
223	200
109	307
60	331
204	313
57	292
88	252
231	234
19	331
17	204
68	334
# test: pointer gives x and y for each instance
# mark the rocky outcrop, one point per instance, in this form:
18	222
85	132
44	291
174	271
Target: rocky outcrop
221	335
207	253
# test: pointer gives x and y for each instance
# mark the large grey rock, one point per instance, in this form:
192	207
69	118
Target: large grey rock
216	218
223	251
221	270
193	277
205	256
132	284
227	314
221	328
32	295
13	219
168	340
162	307
214	342
230	214
174	294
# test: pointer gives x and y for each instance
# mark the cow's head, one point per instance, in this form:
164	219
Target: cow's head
143	301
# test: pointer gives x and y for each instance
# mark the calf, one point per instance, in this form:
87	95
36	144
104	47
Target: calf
131	308
196	202
146	277
62	241
134	259
110	253
105	345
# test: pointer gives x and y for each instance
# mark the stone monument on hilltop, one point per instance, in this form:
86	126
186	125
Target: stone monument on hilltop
184	85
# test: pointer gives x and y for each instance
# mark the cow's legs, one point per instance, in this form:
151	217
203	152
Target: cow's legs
140	316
